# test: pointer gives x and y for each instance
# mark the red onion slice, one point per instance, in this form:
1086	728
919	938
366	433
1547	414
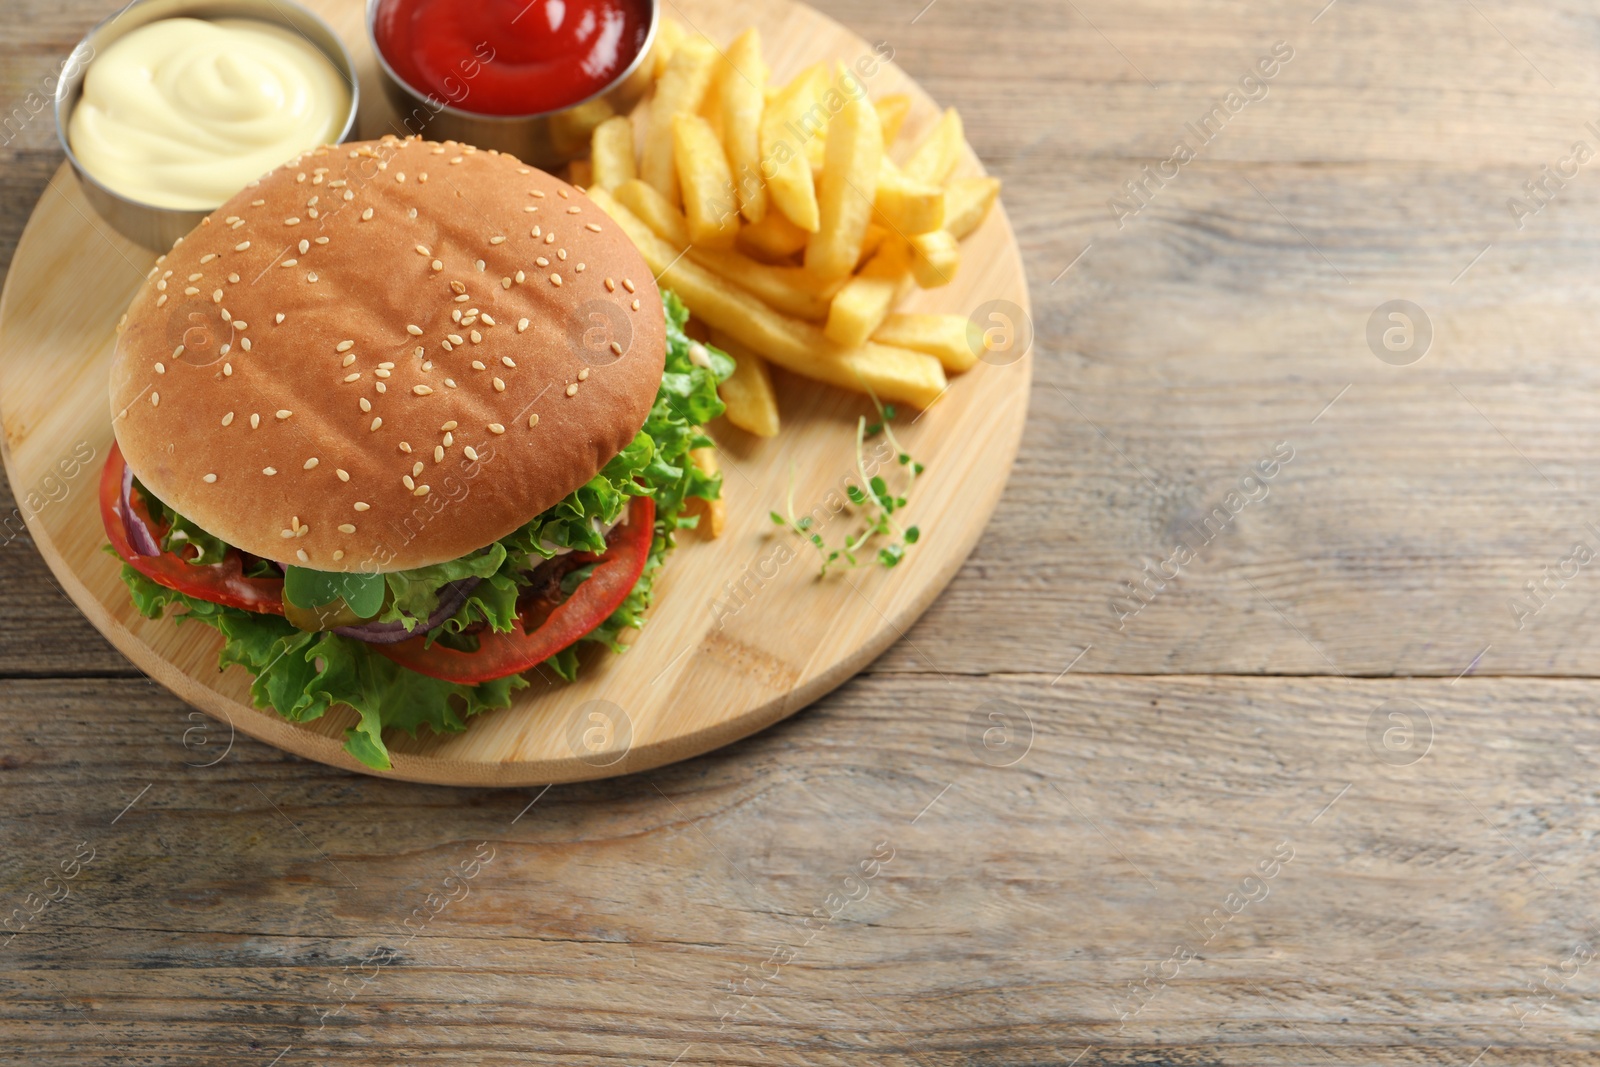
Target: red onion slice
139	536
451	597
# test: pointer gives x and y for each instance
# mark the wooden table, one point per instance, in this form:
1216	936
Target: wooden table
1327	795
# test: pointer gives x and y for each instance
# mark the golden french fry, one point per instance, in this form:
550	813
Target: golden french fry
713	513
706	181
892	112
580	172
789	289
752	403
669	35
905	205
845	197
866	300
967	202
897	375
571	130
741	85
680	91
939	153
611	152
954	339
873	241
774	237
935	258
791	118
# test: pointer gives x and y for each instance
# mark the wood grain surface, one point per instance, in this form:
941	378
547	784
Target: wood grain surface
1432	769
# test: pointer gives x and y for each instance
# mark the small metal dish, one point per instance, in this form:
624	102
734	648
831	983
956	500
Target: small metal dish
158	227
546	139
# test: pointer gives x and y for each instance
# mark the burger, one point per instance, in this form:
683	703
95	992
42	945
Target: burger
403	421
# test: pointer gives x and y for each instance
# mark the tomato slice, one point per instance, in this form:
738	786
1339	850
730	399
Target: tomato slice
595	598
221	583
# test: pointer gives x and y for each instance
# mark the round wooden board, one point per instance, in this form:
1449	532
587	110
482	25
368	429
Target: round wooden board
742	634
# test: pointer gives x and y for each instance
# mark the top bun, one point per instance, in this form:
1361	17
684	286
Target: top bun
386	354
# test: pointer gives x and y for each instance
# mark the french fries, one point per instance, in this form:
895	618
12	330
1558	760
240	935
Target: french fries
939	153
934	258
892	112
713	513
954	339
706	181
967	202
752	403
794	113
866	300
669	35
774	237
611	153
789	289
680	91
896	375
906	205
844	199
741	94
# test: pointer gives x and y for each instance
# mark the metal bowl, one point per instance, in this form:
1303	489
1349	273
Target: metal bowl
150	225
546	139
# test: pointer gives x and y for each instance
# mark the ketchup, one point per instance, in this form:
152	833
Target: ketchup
510	57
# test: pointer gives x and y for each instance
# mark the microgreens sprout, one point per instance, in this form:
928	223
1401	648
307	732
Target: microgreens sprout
872	499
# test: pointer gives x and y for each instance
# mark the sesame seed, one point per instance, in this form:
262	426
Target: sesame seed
352	376
463	297
522	324
284	413
227	368
478	364
454	160
408	481
293	220
304	246
233	279
227	420
155	399
405	446
350	357
191	291
583	375
366	405
561	254
533	420
418	352
242	246
269	471
162	299
209	478
400	176
437	265
346	528
193	278
321	241
505	283
310	464
380	387
300	554
344	476
422	250
591	226
377	421
508	361
470	452
537	193
499	386
458	287
627	283
611	286
536	232
286	534
616	348
278	318
555	280
449	439
495	427
344	346
414	331
455	339
362	505
208	257
438	453
579	269
451	382
572	390
479	264
497	240
421	390
257	203
573	210
161	368
382	372
550	238
255	421
366	215
312	277
244	343
477	338
448	347
421	490
562	193
338	553
541	261
636	305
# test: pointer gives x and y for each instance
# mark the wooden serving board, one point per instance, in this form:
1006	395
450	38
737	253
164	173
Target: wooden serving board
743	632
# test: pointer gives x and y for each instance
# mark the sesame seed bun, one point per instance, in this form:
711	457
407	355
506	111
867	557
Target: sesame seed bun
385	355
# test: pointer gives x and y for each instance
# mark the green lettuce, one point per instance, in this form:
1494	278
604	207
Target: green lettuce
303	674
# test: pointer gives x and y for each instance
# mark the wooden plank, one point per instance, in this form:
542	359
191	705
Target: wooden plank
1410	905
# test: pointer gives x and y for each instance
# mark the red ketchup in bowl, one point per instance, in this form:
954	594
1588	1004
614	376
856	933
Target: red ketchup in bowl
510	57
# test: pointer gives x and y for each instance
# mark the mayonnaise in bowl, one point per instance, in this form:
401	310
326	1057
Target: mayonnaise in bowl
183	113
